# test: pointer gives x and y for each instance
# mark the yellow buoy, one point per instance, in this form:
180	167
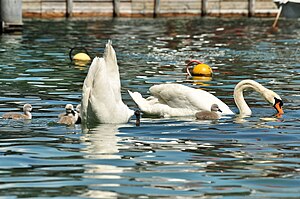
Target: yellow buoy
200	69
82	57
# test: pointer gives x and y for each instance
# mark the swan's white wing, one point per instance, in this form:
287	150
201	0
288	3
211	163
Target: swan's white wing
177	100
180	96
153	106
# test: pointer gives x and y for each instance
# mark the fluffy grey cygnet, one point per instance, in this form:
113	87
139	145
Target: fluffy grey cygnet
209	115
69	117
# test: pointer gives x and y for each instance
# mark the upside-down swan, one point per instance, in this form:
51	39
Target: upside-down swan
13	115
101	100
213	114
179	100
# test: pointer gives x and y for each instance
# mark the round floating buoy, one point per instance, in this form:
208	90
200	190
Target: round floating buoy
200	69
81	58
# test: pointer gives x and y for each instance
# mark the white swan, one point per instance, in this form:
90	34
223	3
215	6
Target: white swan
101	100
179	100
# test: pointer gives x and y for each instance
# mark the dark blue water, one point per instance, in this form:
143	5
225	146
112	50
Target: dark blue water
254	157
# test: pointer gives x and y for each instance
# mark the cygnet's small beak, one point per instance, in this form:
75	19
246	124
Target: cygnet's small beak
220	110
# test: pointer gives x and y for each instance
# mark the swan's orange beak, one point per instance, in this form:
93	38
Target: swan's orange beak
278	106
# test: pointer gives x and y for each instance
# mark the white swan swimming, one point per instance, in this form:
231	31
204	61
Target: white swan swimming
101	100
178	100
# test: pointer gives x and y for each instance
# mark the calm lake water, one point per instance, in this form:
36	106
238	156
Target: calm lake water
255	157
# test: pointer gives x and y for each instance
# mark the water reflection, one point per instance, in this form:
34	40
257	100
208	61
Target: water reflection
101	141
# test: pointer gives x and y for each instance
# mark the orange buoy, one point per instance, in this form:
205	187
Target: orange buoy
200	69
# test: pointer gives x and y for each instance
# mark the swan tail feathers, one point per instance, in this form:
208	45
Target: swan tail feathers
110	54
137	97
139	100
112	68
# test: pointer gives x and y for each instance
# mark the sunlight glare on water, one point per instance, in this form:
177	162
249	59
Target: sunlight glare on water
253	157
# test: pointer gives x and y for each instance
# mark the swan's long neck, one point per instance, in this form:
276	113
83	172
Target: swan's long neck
239	97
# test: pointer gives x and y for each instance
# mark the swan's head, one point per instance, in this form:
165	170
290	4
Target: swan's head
274	99
27	107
